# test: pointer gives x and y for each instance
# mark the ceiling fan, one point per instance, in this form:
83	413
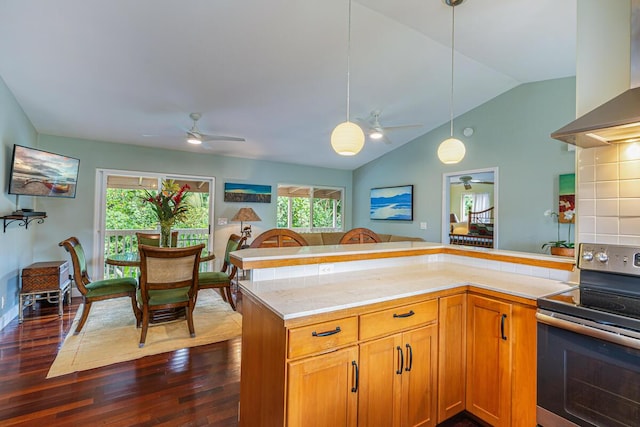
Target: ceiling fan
194	136
374	128
467	180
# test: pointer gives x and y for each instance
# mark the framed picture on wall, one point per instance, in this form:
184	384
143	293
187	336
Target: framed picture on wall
392	203
247	193
566	196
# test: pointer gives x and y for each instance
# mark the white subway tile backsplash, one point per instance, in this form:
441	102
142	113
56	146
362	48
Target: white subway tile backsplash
586	157
630	207
587	190
607	207
587	207
630	226
630	188
629	240
587	224
606	225
587	173
607	172
630	170
630	151
606	154
609	239
586	237
607	190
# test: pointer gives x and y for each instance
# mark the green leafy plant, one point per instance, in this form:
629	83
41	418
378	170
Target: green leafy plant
167	203
560	243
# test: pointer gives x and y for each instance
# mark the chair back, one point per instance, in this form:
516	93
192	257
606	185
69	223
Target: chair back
153	239
278	238
359	235
79	262
234	243
168	268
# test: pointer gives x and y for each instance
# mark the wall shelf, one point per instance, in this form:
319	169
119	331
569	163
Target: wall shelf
22	220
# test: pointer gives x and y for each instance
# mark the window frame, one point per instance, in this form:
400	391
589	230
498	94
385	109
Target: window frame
312	189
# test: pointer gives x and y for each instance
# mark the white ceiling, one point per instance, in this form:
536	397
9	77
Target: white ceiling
273	72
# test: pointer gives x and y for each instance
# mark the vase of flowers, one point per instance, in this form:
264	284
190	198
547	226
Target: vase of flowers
168	207
561	247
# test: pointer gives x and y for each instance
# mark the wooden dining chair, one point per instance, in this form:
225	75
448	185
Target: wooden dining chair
278	238
359	235
222	280
153	239
98	290
168	280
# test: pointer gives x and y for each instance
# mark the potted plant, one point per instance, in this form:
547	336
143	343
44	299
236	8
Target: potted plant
561	247
168	207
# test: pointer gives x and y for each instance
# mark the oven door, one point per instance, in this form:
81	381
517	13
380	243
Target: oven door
587	376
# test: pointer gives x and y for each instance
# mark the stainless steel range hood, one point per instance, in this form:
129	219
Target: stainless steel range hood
617	120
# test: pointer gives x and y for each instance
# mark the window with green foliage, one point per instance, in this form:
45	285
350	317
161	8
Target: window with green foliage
309	208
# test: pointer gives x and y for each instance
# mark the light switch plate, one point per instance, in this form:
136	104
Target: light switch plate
423	226
222	221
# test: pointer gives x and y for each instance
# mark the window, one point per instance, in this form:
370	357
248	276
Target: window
474	202
308	208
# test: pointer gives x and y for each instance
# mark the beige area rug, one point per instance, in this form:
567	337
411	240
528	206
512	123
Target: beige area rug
110	334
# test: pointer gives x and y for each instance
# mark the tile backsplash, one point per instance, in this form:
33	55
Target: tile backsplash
608	194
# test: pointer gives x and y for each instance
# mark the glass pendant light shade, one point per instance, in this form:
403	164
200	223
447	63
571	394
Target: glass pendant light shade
451	151
347	139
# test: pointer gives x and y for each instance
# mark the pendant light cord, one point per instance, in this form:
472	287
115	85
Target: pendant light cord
453	30
348	58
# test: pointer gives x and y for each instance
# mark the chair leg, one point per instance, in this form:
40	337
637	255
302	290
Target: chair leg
145	326
83	318
224	297
229	297
189	315
136	309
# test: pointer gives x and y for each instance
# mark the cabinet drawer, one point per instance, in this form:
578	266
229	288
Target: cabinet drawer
322	336
398	318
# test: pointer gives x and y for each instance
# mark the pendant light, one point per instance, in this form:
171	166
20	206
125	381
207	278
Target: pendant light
347	139
451	150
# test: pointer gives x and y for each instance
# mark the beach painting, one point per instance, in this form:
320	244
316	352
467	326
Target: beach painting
392	203
247	193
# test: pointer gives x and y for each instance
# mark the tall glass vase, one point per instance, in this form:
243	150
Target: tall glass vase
165	234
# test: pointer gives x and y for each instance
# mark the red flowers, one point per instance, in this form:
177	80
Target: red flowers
167	202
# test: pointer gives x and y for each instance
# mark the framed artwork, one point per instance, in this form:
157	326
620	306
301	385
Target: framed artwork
392	203
566	196
247	193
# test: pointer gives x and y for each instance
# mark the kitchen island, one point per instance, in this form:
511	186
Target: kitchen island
405	333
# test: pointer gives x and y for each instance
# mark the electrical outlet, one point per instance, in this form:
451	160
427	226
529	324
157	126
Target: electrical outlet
423	226
325	269
222	221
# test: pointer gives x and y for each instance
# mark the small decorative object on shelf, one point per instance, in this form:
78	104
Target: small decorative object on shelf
23	218
561	247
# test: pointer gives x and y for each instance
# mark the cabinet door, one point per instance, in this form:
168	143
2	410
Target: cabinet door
419	379
452	359
321	390
489	360
380	376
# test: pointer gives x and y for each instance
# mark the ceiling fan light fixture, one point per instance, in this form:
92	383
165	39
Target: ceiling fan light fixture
376	134
191	139
347	139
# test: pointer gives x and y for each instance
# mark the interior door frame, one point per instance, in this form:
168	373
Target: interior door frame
97	261
446	202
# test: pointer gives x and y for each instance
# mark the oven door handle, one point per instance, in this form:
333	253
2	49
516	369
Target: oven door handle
589	331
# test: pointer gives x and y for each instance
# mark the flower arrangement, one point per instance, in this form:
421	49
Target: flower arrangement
568	214
168	207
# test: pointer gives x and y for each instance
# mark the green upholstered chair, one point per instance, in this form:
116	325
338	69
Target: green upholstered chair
153	239
98	290
222	279
168	280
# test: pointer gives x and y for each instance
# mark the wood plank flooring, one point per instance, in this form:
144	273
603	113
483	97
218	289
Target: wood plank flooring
199	386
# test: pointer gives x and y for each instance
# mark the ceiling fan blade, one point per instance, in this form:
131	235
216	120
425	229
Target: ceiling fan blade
208	138
400	127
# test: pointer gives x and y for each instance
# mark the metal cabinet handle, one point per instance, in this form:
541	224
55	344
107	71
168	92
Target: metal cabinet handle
502	335
327	333
401	357
354	389
410	357
409	314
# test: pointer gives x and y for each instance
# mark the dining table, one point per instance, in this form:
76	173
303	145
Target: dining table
132	259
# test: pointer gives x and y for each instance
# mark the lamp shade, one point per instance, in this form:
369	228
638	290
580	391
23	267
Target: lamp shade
451	151
347	139
246	214
453	218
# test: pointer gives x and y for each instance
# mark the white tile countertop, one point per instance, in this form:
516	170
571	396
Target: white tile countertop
296	297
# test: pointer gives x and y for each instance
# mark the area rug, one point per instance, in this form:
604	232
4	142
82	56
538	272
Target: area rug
110	334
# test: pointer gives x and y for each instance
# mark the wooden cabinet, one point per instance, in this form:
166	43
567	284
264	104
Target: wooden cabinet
322	390
398	379
452	355
501	361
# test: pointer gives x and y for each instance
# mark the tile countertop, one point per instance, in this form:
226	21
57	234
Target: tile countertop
303	296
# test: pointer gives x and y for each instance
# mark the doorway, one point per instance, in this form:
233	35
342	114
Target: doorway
476	192
120	213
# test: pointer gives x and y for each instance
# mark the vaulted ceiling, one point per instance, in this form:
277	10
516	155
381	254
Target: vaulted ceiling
272	72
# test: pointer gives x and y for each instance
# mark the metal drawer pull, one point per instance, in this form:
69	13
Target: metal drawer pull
409	314
504	316
327	333
410	356
401	356
354	389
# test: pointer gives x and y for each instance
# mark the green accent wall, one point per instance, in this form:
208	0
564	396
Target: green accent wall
511	132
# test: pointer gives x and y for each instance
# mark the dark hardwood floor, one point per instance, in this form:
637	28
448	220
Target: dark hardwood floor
197	386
